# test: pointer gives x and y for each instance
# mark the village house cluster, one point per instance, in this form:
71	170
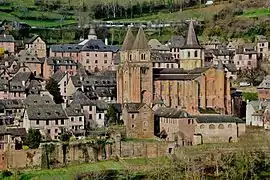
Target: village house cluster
179	92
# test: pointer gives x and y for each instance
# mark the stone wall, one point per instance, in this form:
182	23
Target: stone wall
81	153
144	149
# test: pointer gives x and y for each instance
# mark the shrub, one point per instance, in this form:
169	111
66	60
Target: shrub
6	173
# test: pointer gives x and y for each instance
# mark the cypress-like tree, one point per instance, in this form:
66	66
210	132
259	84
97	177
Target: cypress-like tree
53	88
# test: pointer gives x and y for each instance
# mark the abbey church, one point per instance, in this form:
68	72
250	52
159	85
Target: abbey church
192	87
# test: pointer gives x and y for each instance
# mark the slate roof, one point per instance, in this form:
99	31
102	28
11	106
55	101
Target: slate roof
170	113
16	84
3	84
191	39
133	107
12	103
128	41
46	112
6	38
265	84
98	45
154	44
162	57
66	48
261	38
101	105
93	80
223	52
26	57
32	39
34	87
176	77
74	110
36	99
231	67
64	61
15	132
218	119
80	98
176	42
179	71
140	42
58	76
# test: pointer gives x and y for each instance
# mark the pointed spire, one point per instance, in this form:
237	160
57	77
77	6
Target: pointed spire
128	41
191	39
140	42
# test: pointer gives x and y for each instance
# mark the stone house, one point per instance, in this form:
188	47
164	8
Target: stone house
139	120
36	46
97	56
54	64
76	120
217	129
264	89
175	43
176	123
212	43
49	119
25	58
11	138
156	46
254	113
66	51
246	57
163	60
62	79
92	53
8	43
96	86
11	112
94	110
18	85
224	55
263	47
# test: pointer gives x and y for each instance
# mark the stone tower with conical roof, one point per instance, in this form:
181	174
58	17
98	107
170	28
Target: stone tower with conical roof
135	75
192	53
92	33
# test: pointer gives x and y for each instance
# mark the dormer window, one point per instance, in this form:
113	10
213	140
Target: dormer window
47	102
48	113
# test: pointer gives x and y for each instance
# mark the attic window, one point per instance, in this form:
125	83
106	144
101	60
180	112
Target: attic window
35	102
38	113
96	82
47	102
69	47
48	113
57	113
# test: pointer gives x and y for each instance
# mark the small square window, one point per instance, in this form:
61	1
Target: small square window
47	122
56	122
37	122
80	118
96	61
62	121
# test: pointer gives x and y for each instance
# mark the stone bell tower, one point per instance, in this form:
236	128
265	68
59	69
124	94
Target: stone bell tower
134	75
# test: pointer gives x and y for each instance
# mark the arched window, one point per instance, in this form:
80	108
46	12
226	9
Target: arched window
211	126
220	126
196	54
141	56
144	56
188	54
202	126
130	57
229	126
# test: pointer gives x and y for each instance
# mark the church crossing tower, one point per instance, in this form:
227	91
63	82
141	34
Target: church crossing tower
192	53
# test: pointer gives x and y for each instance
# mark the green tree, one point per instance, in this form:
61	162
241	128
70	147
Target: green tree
111	115
33	138
53	88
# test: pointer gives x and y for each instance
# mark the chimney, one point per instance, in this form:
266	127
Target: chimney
106	41
82	88
23	83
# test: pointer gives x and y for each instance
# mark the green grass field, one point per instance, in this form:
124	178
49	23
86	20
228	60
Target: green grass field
251	13
205	13
71	171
